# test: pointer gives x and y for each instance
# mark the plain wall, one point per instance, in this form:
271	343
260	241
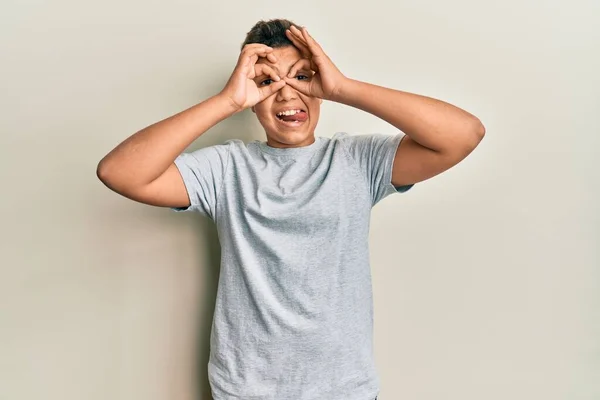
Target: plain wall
486	278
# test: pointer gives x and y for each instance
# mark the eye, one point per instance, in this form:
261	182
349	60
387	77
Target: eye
270	80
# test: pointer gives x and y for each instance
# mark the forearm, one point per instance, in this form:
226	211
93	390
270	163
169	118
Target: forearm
432	123
145	155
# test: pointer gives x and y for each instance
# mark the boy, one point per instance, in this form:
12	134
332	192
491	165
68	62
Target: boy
293	317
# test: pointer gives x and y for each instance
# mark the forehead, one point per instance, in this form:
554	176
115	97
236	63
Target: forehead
286	57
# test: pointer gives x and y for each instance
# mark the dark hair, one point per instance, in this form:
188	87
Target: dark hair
270	33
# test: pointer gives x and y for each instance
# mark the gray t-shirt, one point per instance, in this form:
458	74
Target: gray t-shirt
294	310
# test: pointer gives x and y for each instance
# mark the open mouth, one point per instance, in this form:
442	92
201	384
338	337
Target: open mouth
293	119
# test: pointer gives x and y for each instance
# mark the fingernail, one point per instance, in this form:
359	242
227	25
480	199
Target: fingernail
277	78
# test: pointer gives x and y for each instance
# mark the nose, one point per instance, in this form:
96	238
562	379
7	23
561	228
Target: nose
287	93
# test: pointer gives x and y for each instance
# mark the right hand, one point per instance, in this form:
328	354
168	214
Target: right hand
241	90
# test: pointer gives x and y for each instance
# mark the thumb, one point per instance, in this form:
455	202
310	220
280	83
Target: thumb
301	86
272	88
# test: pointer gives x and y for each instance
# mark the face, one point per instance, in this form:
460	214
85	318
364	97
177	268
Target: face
279	133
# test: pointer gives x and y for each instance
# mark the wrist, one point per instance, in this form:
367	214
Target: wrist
228	104
343	90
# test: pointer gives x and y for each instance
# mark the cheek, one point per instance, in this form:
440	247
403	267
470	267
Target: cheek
316	111
262	114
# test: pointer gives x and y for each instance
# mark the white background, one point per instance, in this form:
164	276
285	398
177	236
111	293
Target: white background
486	278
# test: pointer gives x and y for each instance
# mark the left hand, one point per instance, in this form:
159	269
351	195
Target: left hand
327	80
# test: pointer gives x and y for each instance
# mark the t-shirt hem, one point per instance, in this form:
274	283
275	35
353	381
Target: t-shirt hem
367	391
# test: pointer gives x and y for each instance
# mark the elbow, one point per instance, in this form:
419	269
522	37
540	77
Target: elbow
479	130
103	173
100	171
471	139
112	178
476	135
479	134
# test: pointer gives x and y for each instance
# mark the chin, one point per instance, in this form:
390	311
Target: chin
292	138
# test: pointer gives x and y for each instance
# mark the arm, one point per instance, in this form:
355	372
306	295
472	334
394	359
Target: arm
439	135
141	167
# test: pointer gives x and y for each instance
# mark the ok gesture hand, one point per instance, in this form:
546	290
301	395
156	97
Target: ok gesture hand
241	90
327	81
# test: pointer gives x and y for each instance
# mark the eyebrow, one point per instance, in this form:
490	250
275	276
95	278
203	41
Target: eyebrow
279	73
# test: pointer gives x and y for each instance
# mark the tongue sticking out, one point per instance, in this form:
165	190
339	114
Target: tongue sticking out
301	116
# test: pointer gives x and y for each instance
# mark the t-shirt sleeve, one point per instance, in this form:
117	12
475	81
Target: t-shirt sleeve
373	155
203	173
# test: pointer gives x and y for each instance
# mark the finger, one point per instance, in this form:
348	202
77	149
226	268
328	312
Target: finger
301	86
250	56
301	63
267	91
259	49
251	46
314	48
299	36
263	69
298	43
250	59
271	57
298	32
312	44
248	66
